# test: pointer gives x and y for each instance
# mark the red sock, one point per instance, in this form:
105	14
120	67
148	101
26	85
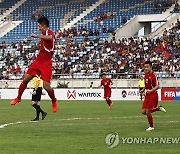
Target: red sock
51	95
155	109
150	119
22	87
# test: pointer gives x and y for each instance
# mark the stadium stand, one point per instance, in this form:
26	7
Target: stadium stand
4	5
54	9
82	50
66	10
92	58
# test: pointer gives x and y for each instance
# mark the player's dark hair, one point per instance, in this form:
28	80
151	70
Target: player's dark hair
148	62
43	21
102	74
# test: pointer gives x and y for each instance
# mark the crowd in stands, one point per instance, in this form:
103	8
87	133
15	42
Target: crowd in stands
127	55
104	16
162	6
74	32
124	56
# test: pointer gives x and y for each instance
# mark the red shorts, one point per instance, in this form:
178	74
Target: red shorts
151	101
107	93
43	69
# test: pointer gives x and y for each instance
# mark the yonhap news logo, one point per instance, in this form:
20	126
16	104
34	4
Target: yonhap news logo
113	139
74	94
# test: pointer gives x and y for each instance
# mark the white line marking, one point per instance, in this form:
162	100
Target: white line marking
71	119
19	122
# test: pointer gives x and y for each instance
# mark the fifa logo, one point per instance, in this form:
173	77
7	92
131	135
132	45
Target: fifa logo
71	94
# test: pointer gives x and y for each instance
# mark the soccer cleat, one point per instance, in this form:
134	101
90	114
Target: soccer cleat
44	115
15	101
161	108
55	106
150	129
35	119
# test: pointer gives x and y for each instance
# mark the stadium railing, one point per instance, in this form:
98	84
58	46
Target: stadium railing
120	80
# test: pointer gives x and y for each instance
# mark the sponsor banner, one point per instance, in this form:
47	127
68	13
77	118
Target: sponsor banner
78	94
170	94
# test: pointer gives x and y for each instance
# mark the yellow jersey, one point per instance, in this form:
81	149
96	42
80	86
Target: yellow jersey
141	83
35	80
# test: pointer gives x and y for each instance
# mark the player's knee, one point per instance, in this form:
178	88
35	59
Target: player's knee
143	112
148	112
32	103
107	98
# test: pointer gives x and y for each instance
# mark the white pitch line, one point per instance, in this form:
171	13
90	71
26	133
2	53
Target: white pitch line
71	119
19	122
98	118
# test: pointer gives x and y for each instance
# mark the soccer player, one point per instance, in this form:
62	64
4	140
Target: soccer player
106	83
36	97
141	86
42	66
150	103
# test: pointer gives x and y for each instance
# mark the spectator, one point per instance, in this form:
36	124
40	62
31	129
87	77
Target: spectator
176	7
124	20
18	70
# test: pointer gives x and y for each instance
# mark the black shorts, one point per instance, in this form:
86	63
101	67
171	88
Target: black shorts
141	88
37	97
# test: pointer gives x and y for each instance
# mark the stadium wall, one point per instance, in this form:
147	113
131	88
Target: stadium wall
165	94
85	83
78	94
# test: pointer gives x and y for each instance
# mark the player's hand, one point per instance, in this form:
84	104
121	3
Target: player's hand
34	35
34	93
148	91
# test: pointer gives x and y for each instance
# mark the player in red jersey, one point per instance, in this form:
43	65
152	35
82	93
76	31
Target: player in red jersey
106	83
42	66
150	103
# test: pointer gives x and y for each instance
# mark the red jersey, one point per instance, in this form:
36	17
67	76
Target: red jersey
46	47
106	83
150	80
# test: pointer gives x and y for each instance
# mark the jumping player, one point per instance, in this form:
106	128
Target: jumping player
150	103
42	66
36	98
106	83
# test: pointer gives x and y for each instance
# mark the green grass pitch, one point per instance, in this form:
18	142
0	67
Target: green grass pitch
81	127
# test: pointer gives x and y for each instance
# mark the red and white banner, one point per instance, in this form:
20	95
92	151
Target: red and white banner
78	94
170	94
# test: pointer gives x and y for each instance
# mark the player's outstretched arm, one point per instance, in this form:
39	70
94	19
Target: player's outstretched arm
44	37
